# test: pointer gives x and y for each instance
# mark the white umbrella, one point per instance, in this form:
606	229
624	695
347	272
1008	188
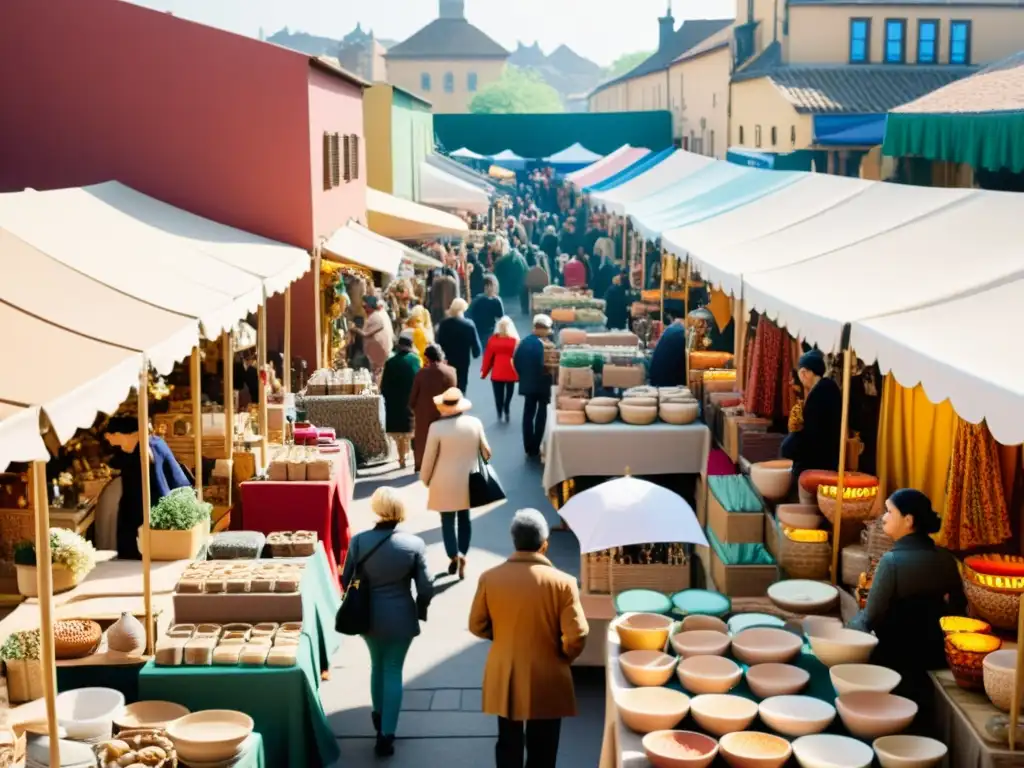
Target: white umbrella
628	511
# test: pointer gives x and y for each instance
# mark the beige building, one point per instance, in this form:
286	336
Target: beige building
447	62
698	82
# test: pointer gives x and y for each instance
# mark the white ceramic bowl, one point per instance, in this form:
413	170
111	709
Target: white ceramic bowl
763	645
869	715
803	596
772	679
700	642
149	714
796	715
804	517
843	646
753	749
772	478
909	751
643	668
997	672
664	749
850	678
651	709
209	735
88	713
824	750
709	674
719	714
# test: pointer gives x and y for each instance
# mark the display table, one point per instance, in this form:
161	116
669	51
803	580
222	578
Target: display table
358	418
321	506
606	450
960	718
284	702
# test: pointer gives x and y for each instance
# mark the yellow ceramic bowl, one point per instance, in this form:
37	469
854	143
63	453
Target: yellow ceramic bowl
643	631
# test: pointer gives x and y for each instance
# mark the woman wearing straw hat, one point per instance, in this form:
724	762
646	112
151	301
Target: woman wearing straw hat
454	446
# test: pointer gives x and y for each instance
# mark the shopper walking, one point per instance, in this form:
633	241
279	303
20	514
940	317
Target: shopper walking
396	388
531	613
435	378
459	340
378	335
534	383
486	309
498	363
443	291
455	445
390	561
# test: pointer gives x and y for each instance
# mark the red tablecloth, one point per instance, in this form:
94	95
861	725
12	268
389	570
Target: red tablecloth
322	506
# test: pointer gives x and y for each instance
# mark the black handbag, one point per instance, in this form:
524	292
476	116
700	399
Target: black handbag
484	485
354	614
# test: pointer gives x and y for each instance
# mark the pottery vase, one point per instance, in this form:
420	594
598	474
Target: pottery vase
126	634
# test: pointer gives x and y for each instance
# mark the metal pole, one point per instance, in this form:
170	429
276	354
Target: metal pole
195	386
147	583
844	426
44	586
286	372
317	313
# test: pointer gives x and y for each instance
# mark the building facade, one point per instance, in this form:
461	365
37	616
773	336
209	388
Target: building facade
447	62
399	129
699	88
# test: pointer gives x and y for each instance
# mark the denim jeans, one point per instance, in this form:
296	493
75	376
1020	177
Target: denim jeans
387	657
456	543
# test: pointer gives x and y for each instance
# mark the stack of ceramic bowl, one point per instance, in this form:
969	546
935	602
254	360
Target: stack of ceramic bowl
210	737
772	478
676	405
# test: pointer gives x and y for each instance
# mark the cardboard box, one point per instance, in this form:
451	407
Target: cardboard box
741	580
731	437
735	527
771	533
623	376
700	493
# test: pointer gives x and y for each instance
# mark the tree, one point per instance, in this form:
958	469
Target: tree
626	62
518	91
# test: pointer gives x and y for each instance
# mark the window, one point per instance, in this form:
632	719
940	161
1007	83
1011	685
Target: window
928	41
757	136
471	82
425	81
775	136
350	153
449	82
860	41
895	41
332	160
959	42
740	142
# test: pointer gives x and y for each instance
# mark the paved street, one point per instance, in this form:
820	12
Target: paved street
441	719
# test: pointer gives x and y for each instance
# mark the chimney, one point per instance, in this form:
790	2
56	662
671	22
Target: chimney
452	9
666	29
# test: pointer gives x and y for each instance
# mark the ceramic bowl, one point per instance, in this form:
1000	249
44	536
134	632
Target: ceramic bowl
773	679
643	631
651	709
88	713
213	734
850	678
752	749
804	517
679	749
601	414
909	751
827	751
869	715
763	645
719	713
709	674
643	668
998	670
701	601
637	414
149	714
642	601
700	642
803	596
772	478
796	715
843	646
678	413
643	401
697	621
816	625
604	401
742	621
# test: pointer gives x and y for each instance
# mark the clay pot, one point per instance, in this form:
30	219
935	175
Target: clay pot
803	517
126	634
638	415
766	680
870	715
772	478
675	749
909	751
571	403
843	646
709	674
763	645
678	413
719	714
601	414
751	749
850	678
651	709
700	642
796	715
647	668
604	401
998	668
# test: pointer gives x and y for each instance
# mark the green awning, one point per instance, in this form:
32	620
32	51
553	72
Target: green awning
984	140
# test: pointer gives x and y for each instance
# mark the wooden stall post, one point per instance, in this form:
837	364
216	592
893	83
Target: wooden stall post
286	366
625	244
229	393
147	543
1018	673
643	265
196	387
316	305
843	428
261	336
44	586
661	316
686	289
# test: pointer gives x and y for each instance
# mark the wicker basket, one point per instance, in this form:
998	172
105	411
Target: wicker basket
596	576
75	638
292	543
804	560
854	510
875	541
657	577
24	680
998	608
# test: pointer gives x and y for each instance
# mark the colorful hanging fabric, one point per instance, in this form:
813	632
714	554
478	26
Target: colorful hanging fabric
976	512
770	356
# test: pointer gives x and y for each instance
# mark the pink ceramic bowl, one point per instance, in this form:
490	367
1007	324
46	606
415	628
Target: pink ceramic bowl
709	674
700	642
719	714
776	679
679	749
752	749
869	715
643	668
697	621
651	709
763	645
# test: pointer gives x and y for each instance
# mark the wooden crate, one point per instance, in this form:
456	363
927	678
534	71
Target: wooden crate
735	527
741	580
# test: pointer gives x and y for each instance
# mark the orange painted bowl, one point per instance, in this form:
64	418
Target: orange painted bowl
965	654
996	565
643	631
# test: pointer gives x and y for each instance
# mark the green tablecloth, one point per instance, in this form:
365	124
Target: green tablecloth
283	702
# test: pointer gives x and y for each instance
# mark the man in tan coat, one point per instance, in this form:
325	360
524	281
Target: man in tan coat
531	613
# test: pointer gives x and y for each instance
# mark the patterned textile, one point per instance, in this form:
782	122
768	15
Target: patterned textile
770	356
976	512
357	418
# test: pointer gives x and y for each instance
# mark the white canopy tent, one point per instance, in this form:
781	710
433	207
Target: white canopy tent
409	254
466	154
399	219
571	177
666	173
356	244
443	190
577	154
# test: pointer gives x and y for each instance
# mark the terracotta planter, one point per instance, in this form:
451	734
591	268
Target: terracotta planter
24	680
63	580
177	545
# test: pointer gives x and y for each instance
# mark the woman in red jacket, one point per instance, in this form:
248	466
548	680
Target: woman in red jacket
498	362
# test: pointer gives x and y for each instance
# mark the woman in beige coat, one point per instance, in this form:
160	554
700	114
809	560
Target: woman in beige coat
455	444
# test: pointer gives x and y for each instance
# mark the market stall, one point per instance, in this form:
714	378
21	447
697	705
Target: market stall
357	418
608	166
656	178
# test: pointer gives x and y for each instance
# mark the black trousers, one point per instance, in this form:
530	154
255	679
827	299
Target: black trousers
503	391
461	377
535	417
538	737
524	300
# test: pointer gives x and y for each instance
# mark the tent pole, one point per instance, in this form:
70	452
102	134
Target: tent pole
261	335
286	372
661	317
44	586
1015	701
147	582
195	386
844	426
229	409
643	265
317	315
686	289
625	245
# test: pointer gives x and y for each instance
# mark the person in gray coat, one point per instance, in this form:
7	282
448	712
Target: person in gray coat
395	615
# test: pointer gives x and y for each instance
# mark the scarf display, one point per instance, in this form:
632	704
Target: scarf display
770	368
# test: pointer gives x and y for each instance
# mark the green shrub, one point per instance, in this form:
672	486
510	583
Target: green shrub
179	510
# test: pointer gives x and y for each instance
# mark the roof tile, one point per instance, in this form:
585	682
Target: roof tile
997	88
448	39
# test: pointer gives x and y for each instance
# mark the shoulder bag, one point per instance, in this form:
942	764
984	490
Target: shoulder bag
354	614
484	485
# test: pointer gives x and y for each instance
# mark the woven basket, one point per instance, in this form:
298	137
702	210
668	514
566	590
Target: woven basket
654	576
999	609
75	638
854	510
24	680
875	541
804	560
292	543
596	576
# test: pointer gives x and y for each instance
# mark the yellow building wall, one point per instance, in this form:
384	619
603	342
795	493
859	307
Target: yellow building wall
408	74
614	98
821	34
377	102
700	101
648	93
758	103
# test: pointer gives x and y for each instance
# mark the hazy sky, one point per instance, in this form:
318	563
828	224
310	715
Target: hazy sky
597	29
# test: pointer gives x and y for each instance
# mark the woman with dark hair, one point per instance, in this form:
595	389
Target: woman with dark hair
435	378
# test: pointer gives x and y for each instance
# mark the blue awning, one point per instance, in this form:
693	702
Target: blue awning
641	166
849	130
778	161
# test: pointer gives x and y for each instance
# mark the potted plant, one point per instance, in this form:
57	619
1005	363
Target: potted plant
20	654
71	558
179	525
